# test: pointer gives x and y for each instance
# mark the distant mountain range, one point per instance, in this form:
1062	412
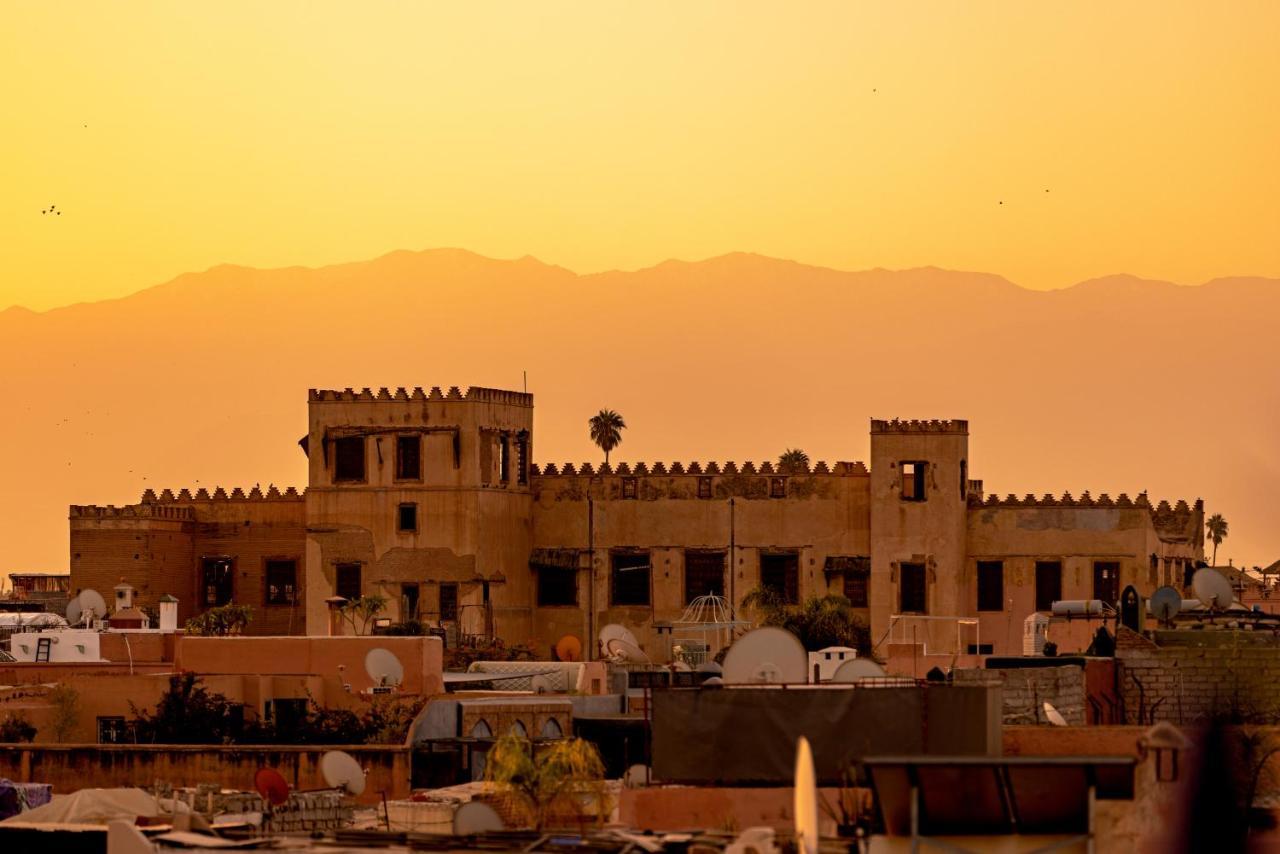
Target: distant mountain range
1114	385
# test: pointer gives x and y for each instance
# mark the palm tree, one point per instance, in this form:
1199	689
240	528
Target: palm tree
606	430
549	780
793	460
1217	527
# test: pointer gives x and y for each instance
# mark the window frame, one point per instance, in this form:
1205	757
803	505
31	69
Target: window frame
403	506
984	581
706	489
338	582
919	491
267	598
919	572
456	609
1113	584
790	590
349	441
402	440
634	557
544	586
1041	595
205	562
708	589
122	731
860	578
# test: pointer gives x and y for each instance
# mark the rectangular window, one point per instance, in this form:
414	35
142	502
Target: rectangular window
857	587
557	586
704	487
449	602
522	458
409	458
912	596
407	518
990	585
780	572
630	578
218	576
408	602
504	458
777	487
282	580
347	576
628	487
703	574
913	480
1106	581
348	459
111	730
1048	584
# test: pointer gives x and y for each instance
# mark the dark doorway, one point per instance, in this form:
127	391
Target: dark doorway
912	597
1048	584
449	602
408	602
218	580
780	572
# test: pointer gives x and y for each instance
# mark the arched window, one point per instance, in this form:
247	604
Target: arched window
518	728
551	729
481	730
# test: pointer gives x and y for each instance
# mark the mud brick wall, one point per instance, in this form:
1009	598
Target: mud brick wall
1025	690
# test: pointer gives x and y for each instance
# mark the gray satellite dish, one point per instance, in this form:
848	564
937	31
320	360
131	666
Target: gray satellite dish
765	656
627	651
341	771
1165	604
710	667
612	632
383	667
857	669
73	611
91	602
1211	587
476	817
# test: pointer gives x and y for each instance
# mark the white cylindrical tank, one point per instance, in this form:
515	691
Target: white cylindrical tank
168	613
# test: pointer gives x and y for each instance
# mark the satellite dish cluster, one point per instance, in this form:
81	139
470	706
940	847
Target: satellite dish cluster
82	610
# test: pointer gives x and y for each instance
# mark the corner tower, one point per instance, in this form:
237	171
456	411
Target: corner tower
919	495
422	498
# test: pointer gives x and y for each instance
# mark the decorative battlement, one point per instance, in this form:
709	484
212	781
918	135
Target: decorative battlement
1087	500
177	513
913	426
184	496
474	394
695	469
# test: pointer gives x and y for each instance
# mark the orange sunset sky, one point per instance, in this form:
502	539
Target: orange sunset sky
1046	142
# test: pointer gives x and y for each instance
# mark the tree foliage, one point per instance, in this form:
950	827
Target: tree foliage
792	461
188	713
1217	529
606	430
229	619
563	777
16	728
359	612
66	711
819	621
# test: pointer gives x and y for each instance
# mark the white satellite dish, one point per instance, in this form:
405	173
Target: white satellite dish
614	631
1211	587
341	771
766	656
1165	604
383	667
476	817
637	777
92	603
542	684
806	800
628	651
1054	716
73	610
857	669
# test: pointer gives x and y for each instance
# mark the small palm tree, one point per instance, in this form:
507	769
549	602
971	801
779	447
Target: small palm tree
793	460
606	430
549	780
1217	528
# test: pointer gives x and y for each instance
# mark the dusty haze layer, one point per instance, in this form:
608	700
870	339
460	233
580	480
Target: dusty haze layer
1114	385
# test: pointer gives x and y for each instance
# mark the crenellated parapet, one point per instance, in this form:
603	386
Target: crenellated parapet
187	496
895	425
1174	521
696	469
176	513
473	394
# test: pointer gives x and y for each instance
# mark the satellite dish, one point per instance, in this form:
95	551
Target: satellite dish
476	817
806	800
710	667
273	787
341	771
713	682
569	648
383	667
1165	604
1211	587
857	669
766	656
1055	717
73	611
91	601
628	651
614	631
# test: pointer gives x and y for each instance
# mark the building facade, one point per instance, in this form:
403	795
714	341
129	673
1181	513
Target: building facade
430	500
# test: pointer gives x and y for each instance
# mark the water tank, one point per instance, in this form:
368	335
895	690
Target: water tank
1035	631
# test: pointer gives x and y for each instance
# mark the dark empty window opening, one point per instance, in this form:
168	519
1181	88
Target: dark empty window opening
912	597
348	459
704	487
630	578
557	586
282	580
218	574
628	487
913	472
449	602
703	574
409	601
1106	581
777	487
990	585
1048	584
780	572
408	458
964	479
504	458
407	518
347	578
981	648
857	587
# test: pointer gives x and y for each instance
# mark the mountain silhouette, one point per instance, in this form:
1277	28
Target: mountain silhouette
1114	385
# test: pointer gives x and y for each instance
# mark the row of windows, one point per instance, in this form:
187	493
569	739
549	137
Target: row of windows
218	581
1048	581
349	464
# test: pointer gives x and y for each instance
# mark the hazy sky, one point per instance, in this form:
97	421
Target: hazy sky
1048	142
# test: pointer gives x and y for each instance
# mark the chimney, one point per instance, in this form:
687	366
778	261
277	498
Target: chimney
168	613
124	595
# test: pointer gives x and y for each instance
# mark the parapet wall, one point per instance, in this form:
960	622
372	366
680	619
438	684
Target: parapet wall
1180	522
695	469
473	394
895	425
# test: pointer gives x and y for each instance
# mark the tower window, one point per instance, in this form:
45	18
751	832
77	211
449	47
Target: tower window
913	480
407	518
911	589
408	458
348	459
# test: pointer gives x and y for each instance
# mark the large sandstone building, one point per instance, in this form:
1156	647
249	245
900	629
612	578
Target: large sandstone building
431	500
